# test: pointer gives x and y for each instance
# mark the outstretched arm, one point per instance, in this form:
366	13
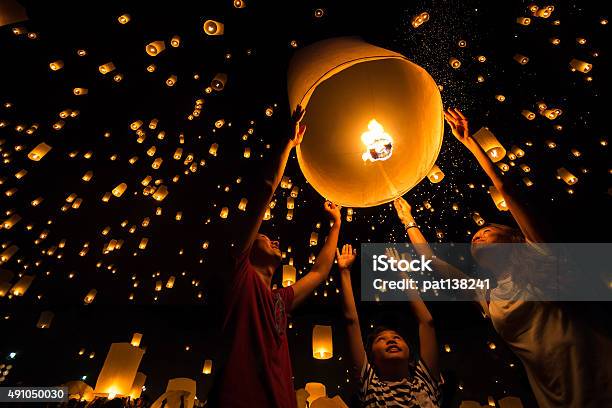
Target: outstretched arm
320	270
351	319
428	342
532	228
420	244
259	202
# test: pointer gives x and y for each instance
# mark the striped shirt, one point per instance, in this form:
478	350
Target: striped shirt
420	390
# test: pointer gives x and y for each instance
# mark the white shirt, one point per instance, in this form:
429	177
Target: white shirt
568	363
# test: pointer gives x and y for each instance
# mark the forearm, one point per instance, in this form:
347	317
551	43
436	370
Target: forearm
528	222
351	321
349	310
275	173
421	247
326	256
486	164
427	337
420	310
417	239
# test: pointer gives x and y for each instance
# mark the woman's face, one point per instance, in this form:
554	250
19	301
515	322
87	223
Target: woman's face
490	235
484	249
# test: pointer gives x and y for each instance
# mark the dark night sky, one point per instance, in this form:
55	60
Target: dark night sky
258	39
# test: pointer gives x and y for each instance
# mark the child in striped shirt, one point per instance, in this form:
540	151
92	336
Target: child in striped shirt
387	376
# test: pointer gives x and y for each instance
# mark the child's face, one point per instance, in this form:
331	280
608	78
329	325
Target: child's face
389	345
265	249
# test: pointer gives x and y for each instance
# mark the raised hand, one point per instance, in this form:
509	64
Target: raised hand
333	211
459	125
346	257
297	129
404	210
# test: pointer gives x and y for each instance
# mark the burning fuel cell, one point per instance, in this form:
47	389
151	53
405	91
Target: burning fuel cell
379	144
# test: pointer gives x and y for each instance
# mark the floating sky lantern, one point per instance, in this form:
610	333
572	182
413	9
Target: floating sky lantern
420	19
45	319
22	285
219	81
566	176
489	143
139	382
525	21
315	391
382	89
56	65
435	174
322	344
106	68
580	66
207	368
529	115
517	151
119	371
136	339
289	274
212	27
39	152
90	296
154	48
521	59
478	219
123	19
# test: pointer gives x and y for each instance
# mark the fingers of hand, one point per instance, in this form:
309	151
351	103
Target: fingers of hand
460	114
453	114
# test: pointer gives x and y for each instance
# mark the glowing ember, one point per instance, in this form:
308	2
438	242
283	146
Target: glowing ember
378	142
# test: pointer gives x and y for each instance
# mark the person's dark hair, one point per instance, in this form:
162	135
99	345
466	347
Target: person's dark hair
515	235
374	334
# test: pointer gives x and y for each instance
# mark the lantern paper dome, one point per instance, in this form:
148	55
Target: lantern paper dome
315	391
374	120
119	370
139	382
179	386
11	12
79	390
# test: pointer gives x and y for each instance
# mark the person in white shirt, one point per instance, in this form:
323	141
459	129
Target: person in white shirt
568	362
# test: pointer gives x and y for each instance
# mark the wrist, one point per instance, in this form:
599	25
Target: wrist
471	144
410	224
408	220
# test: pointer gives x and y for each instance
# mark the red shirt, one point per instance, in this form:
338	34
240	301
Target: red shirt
257	370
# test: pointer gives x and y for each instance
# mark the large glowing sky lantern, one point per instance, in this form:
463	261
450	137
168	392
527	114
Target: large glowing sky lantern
374	120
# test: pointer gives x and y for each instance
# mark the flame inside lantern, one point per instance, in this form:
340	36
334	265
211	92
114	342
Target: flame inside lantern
379	144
